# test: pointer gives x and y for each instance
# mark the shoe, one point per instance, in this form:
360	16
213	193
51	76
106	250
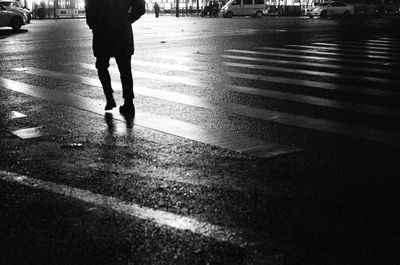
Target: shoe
127	109
110	104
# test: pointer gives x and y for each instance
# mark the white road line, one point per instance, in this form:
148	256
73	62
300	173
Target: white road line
158	217
177	67
311	64
365	57
250	146
15	115
371	44
385	40
176	36
346	50
271	116
315	84
313	57
359	46
40	131
317	101
221	106
315	73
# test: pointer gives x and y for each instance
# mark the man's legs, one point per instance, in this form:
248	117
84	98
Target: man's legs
124	66
102	64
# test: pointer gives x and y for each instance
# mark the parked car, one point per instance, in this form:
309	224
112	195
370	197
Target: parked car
255	8
330	9
14	4
12	18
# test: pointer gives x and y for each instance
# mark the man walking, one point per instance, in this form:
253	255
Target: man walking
110	23
156	9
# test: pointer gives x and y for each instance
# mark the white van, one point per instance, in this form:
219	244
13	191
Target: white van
255	8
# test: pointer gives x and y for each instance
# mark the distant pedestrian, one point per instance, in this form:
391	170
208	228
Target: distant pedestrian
215	8
211	8
156	9
110	22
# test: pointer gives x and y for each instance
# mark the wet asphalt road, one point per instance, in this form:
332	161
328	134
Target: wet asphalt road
318	98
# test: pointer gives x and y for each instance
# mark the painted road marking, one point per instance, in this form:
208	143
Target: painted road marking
251	146
316	84
312	72
15	115
35	132
370	44
158	217
359	46
173	36
180	59
267	115
317	101
197	83
311	64
169	66
345	50
241	110
313	57
385	40
372	59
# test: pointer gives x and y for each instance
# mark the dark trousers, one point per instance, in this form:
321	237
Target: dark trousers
125	71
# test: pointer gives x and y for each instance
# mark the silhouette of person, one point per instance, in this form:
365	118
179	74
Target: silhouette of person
110	23
156	9
211	6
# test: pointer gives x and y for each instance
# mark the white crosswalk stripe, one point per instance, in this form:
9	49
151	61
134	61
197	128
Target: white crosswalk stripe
371	44
338	56
371	47
316	84
274	116
313	64
180	34
348	50
309	72
222	139
273	69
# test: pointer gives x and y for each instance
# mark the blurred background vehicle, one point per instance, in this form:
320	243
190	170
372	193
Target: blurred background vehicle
9	4
255	8
13	18
369	7
330	9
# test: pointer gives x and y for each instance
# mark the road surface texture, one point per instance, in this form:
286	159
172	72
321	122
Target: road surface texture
255	141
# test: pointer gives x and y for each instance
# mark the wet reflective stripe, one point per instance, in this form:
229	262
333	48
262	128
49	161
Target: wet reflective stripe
316	73
181	35
369	43
16	115
317	101
359	45
228	107
177	67
318	58
385	40
158	217
158	122
219	138
345	50
315	84
311	64
35	132
96	82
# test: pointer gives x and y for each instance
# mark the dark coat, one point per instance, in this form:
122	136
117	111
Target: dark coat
111	27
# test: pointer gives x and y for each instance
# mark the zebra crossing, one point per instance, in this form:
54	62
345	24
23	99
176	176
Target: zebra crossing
262	78
366	72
